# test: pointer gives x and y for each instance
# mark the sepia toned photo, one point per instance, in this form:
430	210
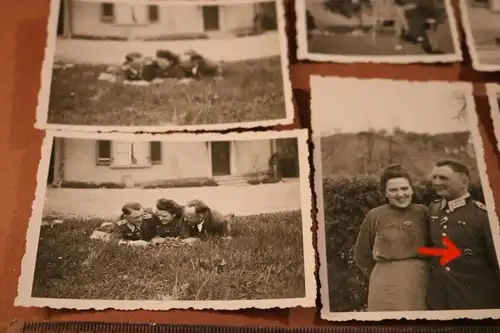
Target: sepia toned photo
481	21
406	217
493	91
180	221
131	66
387	31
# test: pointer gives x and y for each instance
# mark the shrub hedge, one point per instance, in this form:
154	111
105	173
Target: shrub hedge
346	202
166	183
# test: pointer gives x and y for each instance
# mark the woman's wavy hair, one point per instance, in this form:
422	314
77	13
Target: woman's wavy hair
395	171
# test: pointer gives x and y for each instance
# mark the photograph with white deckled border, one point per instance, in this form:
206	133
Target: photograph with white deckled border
407	227
123	66
481	22
158	222
493	90
380	31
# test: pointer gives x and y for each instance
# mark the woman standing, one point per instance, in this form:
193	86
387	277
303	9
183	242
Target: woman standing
386	250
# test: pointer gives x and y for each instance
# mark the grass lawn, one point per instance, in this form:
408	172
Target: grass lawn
250	91
264	260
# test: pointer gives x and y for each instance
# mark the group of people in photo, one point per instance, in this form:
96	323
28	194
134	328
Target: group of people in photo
166	64
139	226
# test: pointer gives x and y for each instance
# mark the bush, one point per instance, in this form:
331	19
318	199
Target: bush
265	180
173	183
165	183
73	184
346	202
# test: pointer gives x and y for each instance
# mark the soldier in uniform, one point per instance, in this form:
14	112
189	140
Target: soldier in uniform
137	67
136	226
472	281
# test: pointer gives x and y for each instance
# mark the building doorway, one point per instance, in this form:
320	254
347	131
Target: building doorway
221	158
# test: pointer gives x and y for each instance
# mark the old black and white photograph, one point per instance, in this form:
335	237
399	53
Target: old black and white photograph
481	22
387	31
406	217
128	66
215	221
493	90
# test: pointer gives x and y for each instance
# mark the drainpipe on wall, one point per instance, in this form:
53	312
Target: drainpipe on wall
68	18
59	174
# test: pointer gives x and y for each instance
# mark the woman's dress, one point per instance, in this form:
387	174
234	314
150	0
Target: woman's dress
387	252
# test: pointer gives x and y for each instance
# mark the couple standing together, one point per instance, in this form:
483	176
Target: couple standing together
386	251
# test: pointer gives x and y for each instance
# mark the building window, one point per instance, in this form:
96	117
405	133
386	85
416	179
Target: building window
155	152
211	18
119	154
107	12
124	13
103	152
153	13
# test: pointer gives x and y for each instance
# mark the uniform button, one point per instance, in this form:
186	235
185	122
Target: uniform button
445	227
447	269
447	211
443	234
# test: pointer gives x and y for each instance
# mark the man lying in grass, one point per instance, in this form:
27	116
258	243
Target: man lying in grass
141	227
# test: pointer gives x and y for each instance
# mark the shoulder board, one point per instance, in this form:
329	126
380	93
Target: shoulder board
121	222
480	205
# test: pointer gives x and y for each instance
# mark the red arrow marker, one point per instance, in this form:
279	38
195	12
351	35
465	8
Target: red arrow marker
450	253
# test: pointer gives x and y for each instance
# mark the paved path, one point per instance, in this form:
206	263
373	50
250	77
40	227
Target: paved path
113	52
241	200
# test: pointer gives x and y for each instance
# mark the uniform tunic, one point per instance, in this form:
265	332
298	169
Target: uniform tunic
472	280
146	231
386	251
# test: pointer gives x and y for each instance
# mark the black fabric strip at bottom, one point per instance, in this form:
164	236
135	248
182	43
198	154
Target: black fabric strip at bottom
88	327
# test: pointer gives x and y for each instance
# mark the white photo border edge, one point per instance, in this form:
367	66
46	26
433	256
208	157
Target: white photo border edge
42	109
471	43
25	282
473	121
304	54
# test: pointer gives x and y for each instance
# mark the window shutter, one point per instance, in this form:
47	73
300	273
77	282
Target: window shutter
140	153
123	13
140	14
121	154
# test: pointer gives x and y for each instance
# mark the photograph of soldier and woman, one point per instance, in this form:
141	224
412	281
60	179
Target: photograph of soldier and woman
414	179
